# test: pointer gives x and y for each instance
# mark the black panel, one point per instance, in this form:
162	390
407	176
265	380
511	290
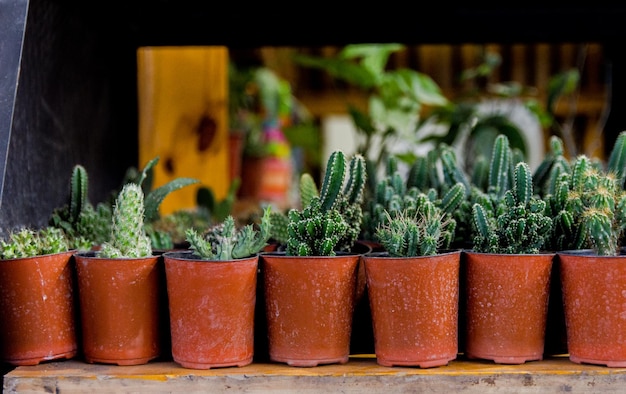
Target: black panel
13	22
77	95
76	103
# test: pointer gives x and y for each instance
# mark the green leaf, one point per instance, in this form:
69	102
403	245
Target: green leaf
154	199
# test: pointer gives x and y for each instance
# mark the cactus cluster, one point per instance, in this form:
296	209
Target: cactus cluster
588	206
128	238
330	221
519	226
585	198
84	225
226	242
509	218
422	233
395	197
27	242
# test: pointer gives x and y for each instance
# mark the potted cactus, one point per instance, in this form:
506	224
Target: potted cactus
507	272
85	225
120	290
212	294
309	289
413	287
593	272
37	297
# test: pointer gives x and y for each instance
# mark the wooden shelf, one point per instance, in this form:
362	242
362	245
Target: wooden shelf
360	375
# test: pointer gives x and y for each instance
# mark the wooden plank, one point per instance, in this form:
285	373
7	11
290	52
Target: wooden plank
359	375
178	87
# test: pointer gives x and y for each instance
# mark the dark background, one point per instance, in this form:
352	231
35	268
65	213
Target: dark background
68	71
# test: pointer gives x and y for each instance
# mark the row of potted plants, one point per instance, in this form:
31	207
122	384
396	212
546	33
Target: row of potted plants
455	231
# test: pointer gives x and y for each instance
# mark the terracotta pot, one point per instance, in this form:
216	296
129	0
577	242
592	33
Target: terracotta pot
414	303
309	304
211	307
594	292
38	306
507	303
120	308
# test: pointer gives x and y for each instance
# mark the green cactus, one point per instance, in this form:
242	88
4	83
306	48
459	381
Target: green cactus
169	230
128	237
588	207
83	224
548	172
421	233
27	242
332	220
78	192
280	223
225	242
394	197
499	168
315	232
334	178
517	224
617	159
308	189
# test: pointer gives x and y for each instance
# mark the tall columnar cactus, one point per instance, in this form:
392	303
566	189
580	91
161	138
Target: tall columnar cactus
519	225
617	159
83	224
422	233
332	220
78	192
350	202
499	168
546	176
128	237
225	242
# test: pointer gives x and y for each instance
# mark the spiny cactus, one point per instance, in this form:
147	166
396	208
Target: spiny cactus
588	208
332	220
83	224
394	197
499	168
518	225
422	233
128	238
617	159
280	223
78	192
27	242
225	242
547	174
308	189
